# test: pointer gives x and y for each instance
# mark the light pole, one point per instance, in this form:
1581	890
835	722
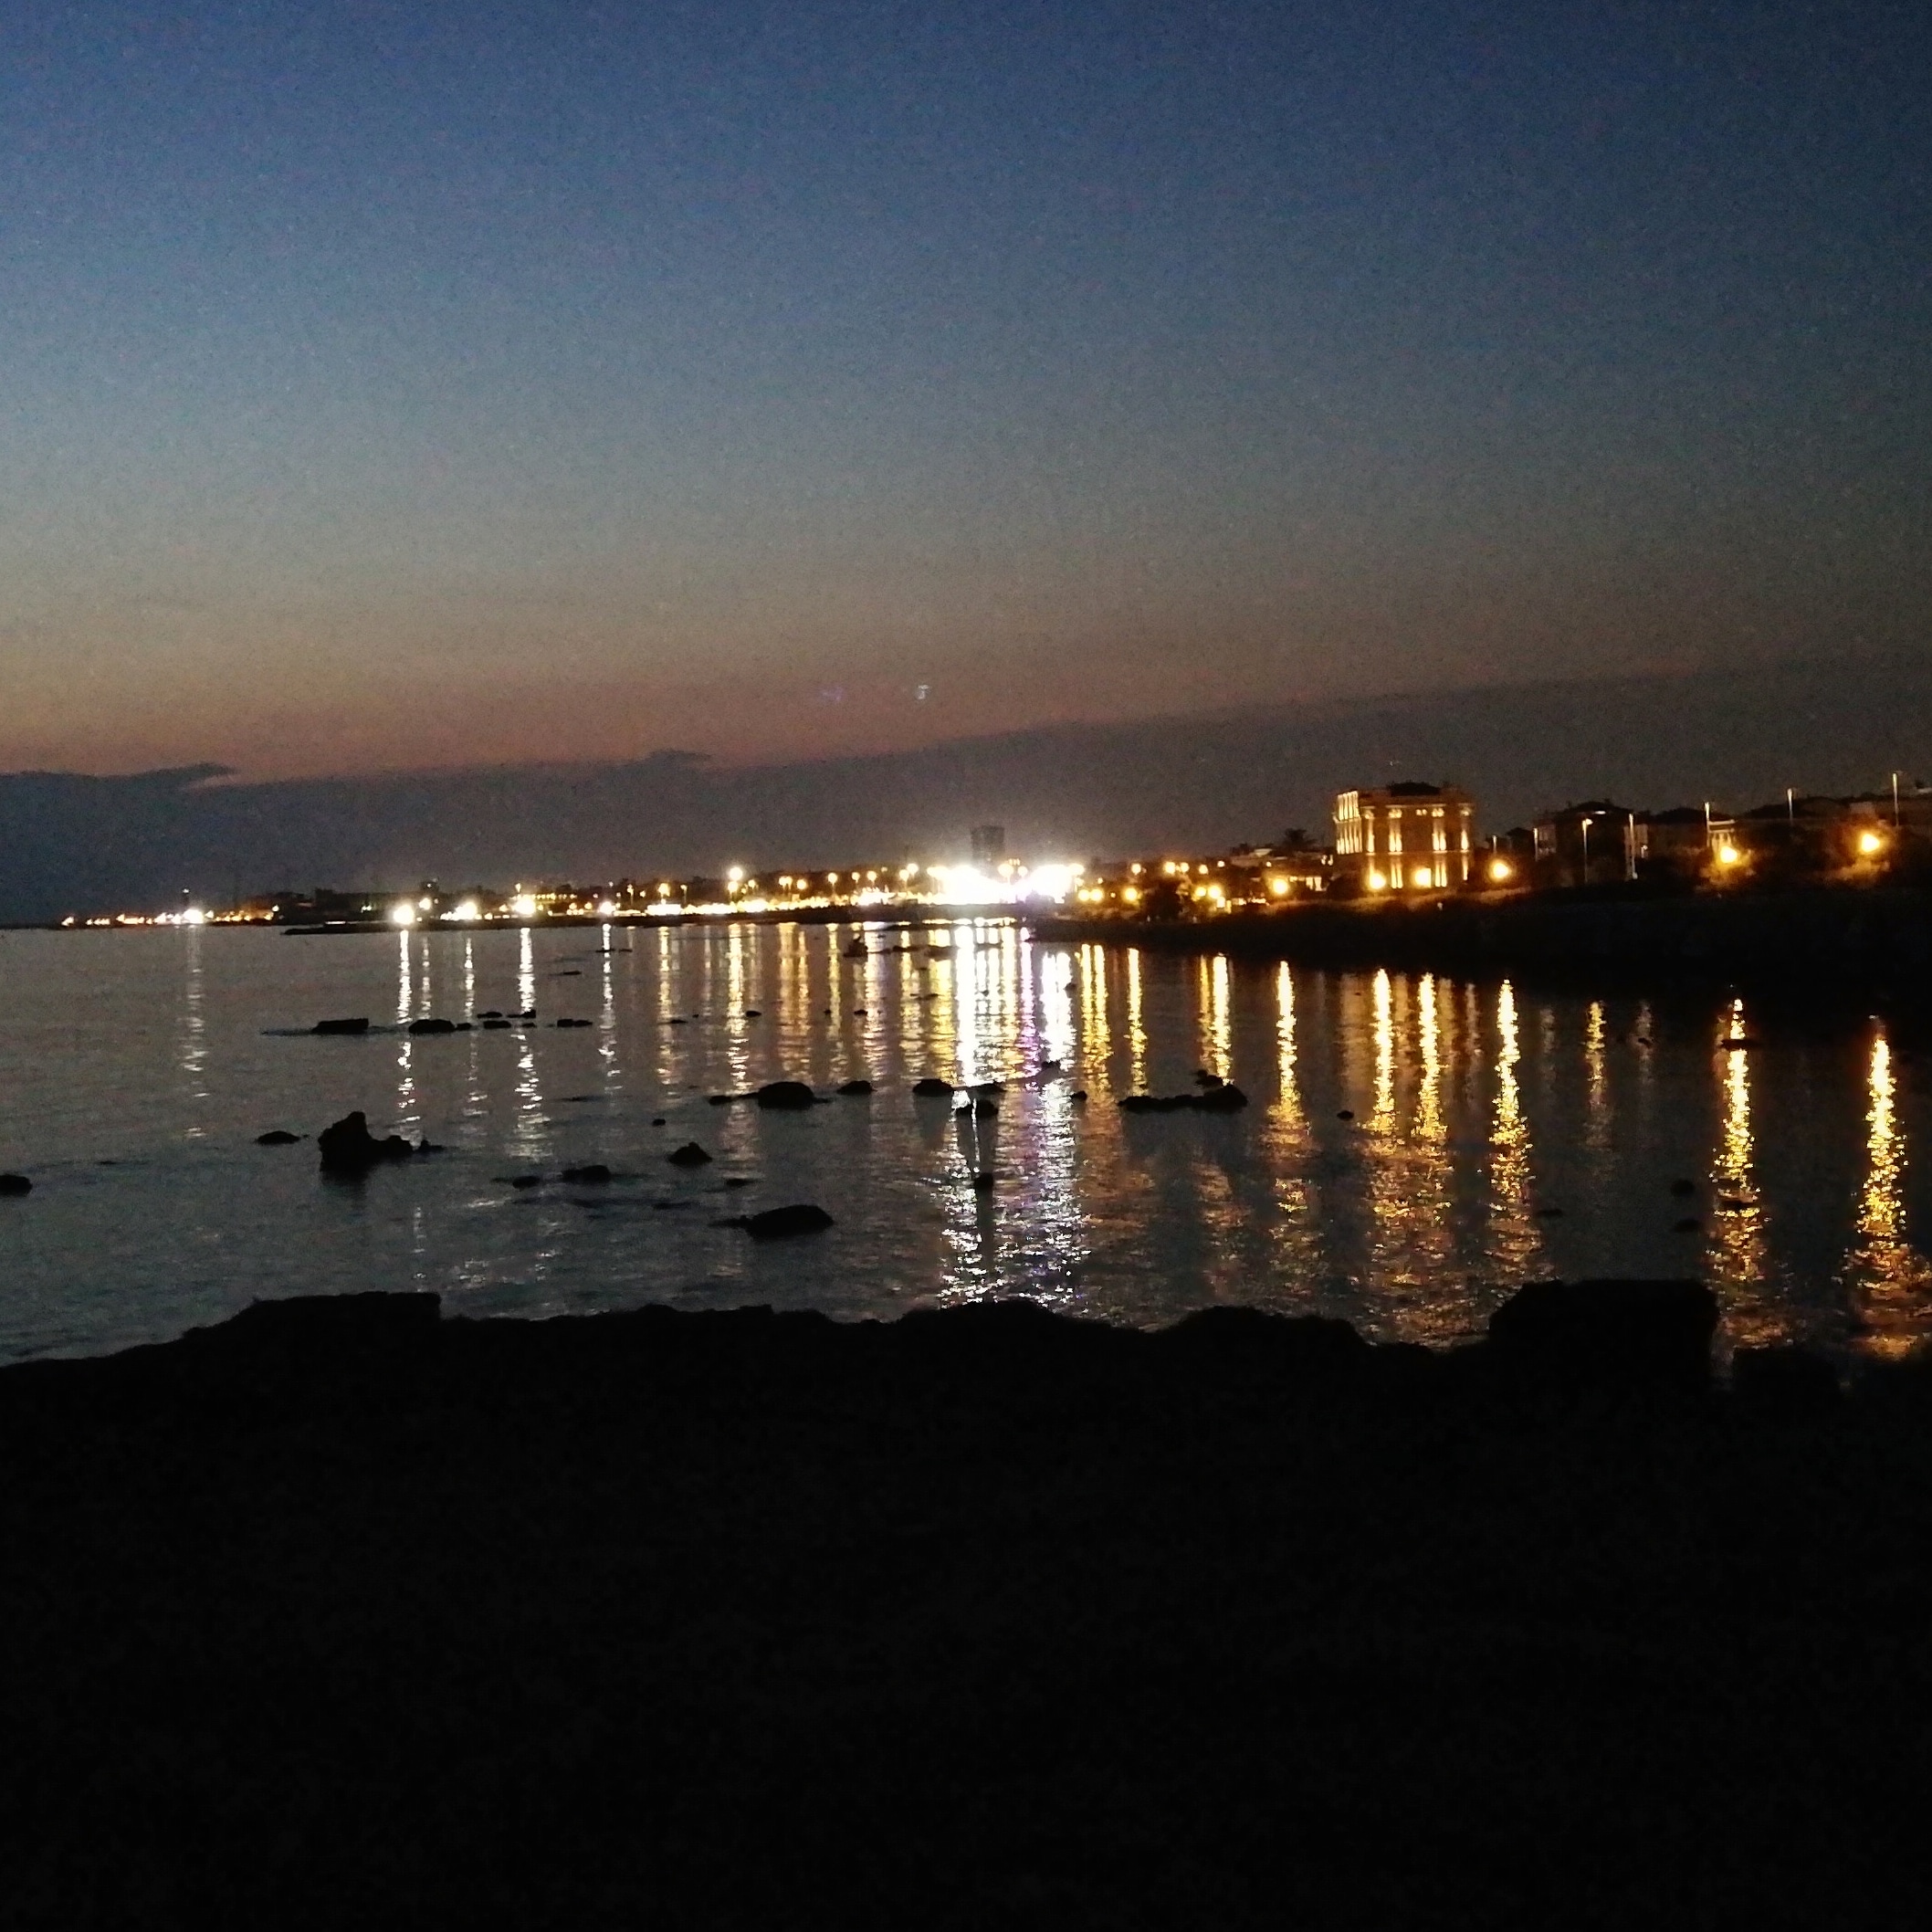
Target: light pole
1584	821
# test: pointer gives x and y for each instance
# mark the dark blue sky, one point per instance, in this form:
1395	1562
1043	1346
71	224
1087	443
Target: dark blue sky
391	384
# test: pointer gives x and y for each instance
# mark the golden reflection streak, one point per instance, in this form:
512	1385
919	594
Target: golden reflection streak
1382	1116
1888	1276
1737	1240
405	992
1217	1040
1095	1030
1515	1239
1136	1026
1595	1037
1290	1105
1429	1123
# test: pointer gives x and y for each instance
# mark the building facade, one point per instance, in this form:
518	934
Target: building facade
1411	838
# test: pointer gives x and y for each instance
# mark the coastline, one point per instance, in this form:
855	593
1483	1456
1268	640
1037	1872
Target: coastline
341	1612
1875	938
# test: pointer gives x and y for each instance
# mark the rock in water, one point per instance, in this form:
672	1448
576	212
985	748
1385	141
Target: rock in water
1227	1098
689	1155
803	1217
349	1148
785	1096
359	1025
432	1026
16	1184
856	1088
277	1137
591	1174
933	1088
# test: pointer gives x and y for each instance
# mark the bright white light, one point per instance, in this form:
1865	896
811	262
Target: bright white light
1422	876
736	875
1499	870
605	908
1048	882
1377	882
1869	843
524	906
194	915
403	915
426	904
1728	855
468	909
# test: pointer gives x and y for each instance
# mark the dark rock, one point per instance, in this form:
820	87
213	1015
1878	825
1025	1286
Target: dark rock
983	1183
859	1011
722	1100
657	1119
490	1013
432	1026
985	1108
802	1217
565	1024
277	1137
675	1021
784	1095
738	1180
16	1184
1202	1078
933	1088
1226	1098
1346	1113
464	1026
359	1025
754	1012
856	1088
689	1155
529	1012
1079	1096
1611	1332
1784	1384
591	1174
526	1179
1245	1338
349	1148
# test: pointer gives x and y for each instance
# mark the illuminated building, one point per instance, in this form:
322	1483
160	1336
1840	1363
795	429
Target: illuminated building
1408	837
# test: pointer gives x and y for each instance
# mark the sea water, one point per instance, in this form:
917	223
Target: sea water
1414	1145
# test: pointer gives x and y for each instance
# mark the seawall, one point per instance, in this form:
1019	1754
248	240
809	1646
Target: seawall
1833	940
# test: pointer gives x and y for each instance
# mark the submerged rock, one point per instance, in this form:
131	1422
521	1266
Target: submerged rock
359	1025
591	1173
933	1088
566	1024
855	1088
16	1184
432	1026
277	1137
349	1148
689	1155
1224	1100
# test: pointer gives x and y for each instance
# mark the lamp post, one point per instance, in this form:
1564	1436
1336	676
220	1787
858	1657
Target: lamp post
1584	823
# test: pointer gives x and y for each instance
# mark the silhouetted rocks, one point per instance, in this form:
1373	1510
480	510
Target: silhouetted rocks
16	1184
339	1612
785	1096
1626	1332
1226	1098
422	1026
359	1025
801	1217
349	1148
594	1173
497	1025
277	1137
933	1088
856	1089
568	1025
689	1155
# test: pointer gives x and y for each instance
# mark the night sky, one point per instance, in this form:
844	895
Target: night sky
394	385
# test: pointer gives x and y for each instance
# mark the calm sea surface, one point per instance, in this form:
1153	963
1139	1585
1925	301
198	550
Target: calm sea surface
1497	1135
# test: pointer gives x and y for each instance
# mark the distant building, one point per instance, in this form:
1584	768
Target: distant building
1411	838
989	844
1596	842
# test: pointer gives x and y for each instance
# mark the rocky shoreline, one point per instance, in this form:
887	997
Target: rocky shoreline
341	1613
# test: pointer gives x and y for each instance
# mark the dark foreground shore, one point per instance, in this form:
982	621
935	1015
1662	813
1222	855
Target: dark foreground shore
340	1614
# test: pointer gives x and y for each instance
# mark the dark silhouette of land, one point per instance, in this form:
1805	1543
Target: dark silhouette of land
341	1615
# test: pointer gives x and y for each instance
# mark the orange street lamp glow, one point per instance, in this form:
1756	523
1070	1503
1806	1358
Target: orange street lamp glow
1499	870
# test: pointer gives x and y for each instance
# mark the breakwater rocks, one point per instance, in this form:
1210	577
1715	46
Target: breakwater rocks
341	1613
1821	939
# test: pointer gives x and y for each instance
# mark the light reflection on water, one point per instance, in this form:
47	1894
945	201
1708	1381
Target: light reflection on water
1495	1134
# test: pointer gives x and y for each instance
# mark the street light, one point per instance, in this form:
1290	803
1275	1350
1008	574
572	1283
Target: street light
1585	823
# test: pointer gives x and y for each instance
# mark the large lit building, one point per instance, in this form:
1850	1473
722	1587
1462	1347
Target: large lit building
1409	837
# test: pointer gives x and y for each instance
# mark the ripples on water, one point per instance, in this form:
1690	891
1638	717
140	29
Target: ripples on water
1497	1135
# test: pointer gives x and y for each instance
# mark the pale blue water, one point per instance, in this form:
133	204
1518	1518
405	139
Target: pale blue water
136	1069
